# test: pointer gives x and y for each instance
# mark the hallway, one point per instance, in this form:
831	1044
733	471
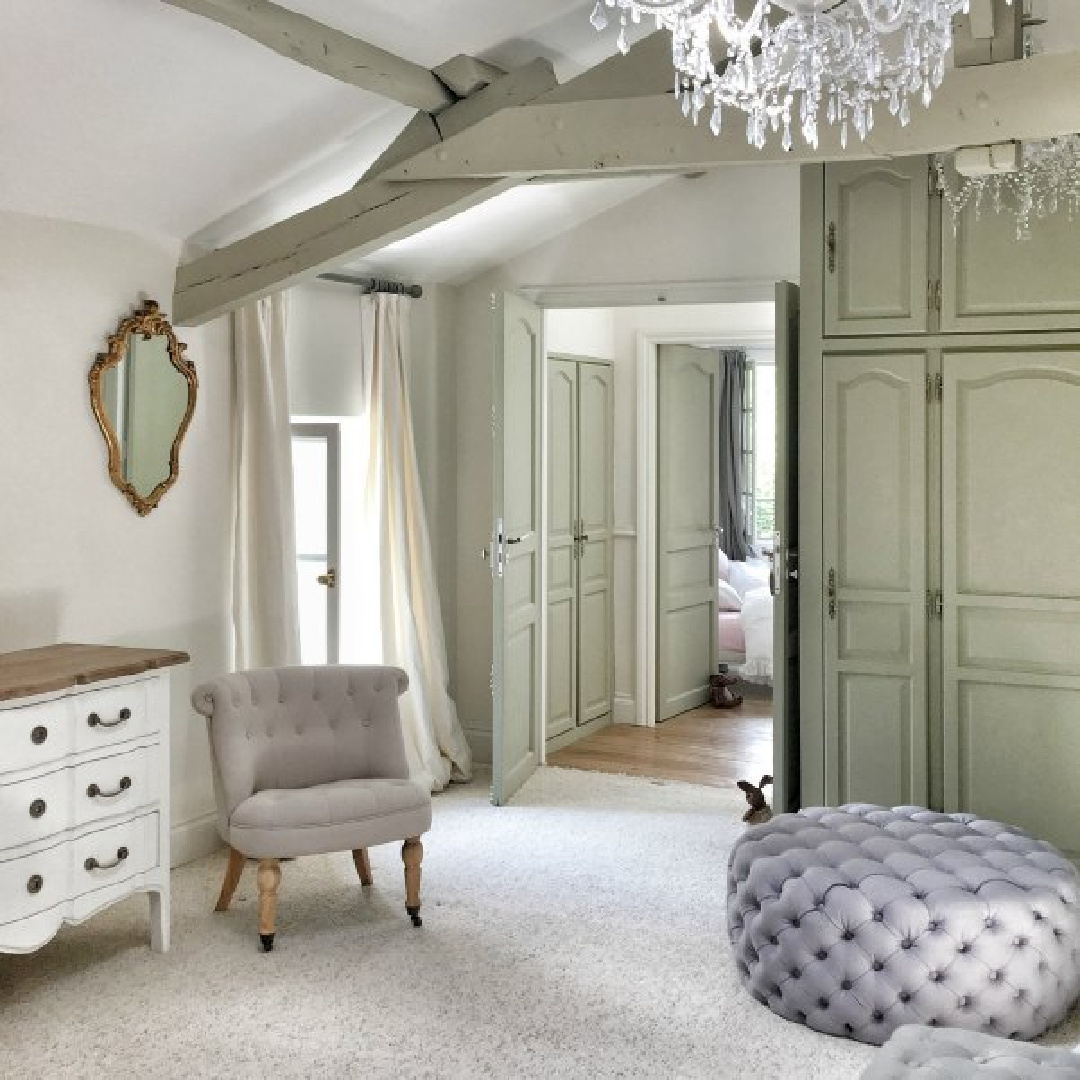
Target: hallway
715	747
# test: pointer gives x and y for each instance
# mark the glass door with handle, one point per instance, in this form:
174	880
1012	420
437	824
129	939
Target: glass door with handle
316	455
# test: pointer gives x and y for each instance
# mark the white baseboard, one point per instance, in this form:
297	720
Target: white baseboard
195	838
480	743
626	710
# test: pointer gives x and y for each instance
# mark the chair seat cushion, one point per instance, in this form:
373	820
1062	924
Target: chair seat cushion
340	816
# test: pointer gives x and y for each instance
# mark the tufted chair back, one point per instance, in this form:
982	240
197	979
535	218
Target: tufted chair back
297	727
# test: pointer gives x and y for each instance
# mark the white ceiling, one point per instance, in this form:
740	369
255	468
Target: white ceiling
135	115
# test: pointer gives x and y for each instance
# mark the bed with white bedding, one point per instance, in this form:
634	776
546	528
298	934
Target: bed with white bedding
745	639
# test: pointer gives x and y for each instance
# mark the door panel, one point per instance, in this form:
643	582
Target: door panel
876	578
785	584
877	287
516	660
992	281
1011	597
562	556
688	453
596	511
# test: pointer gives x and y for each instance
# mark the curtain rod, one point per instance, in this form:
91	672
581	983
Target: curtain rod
376	285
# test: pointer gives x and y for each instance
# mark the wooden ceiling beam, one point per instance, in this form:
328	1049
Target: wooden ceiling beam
327	50
558	135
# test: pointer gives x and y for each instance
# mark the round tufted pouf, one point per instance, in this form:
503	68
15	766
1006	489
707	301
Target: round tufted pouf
858	920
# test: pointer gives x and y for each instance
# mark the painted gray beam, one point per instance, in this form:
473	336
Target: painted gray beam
327	50
362	220
1037	98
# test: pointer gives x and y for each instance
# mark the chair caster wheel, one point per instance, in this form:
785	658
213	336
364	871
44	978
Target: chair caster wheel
414	914
267	942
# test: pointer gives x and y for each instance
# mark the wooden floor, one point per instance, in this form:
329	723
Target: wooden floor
708	746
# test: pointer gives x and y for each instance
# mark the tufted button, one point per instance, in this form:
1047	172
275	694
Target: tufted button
796	973
795	923
907	943
963	947
933	926
1020	942
823	954
823	1002
995	976
905	997
991	923
878	1016
846	984
847	935
774	940
936	976
879	916
849	1028
919	895
878	965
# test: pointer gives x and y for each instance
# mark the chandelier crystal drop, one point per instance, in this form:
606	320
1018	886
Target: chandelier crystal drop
790	63
1047	182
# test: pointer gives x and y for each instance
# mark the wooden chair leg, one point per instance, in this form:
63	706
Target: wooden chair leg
363	865
412	852
233	871
269	880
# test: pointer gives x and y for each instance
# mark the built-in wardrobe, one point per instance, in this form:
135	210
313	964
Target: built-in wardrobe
940	501
580	481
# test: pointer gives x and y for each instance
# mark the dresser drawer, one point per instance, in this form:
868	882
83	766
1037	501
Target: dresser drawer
114	784
34	809
34	883
115	854
35	734
104	717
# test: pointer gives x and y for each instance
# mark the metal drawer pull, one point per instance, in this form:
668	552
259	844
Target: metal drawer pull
93	864
39	735
35	884
38	808
93	720
94	792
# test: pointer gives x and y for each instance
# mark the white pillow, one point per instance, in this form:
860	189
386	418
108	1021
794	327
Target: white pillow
729	598
744	576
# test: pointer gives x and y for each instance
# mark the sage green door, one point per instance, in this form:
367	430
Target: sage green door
515	550
687	497
596	511
562	594
784	577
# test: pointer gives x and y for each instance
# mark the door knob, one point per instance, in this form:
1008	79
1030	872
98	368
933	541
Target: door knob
329	579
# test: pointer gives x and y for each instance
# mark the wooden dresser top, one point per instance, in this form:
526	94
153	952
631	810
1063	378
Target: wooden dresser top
55	667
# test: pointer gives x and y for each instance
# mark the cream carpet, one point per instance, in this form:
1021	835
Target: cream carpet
577	933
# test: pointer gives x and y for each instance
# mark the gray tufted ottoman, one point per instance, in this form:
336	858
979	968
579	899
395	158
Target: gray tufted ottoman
860	919
919	1053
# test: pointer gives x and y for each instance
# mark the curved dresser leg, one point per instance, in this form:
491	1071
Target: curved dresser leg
159	920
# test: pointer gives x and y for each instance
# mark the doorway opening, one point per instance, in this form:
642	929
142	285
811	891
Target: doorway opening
690	740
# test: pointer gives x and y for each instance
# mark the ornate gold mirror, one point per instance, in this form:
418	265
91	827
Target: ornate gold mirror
143	394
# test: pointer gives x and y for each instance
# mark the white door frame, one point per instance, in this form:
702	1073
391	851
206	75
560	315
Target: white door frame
645	578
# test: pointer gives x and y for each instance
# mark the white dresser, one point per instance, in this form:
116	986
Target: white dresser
84	787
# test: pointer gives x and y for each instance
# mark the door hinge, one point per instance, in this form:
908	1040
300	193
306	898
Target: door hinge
830	593
830	248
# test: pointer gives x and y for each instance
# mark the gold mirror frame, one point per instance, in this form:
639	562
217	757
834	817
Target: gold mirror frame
149	322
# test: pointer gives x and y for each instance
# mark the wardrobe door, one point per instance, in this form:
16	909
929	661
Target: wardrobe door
562	608
596	470
876	248
1011	582
876	578
993	281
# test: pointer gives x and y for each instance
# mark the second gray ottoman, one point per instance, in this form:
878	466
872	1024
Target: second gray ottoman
860	919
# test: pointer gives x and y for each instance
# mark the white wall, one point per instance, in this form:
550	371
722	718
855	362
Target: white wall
737	224
76	562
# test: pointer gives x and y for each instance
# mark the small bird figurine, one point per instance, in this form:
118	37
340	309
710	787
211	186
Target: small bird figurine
759	811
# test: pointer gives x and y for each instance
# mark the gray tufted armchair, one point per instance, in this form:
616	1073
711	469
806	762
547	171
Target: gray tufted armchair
311	760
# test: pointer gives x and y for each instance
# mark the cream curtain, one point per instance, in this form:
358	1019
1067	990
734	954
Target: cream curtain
398	566
264	603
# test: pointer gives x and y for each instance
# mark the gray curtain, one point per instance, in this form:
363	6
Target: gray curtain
735	532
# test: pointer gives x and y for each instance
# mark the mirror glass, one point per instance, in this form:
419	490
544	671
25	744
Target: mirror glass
143	392
145	399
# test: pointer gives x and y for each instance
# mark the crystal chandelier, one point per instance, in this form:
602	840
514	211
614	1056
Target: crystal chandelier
790	61
1047	182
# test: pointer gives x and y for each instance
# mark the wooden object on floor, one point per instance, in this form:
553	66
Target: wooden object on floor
233	871
363	865
715	747
269	880
412	852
